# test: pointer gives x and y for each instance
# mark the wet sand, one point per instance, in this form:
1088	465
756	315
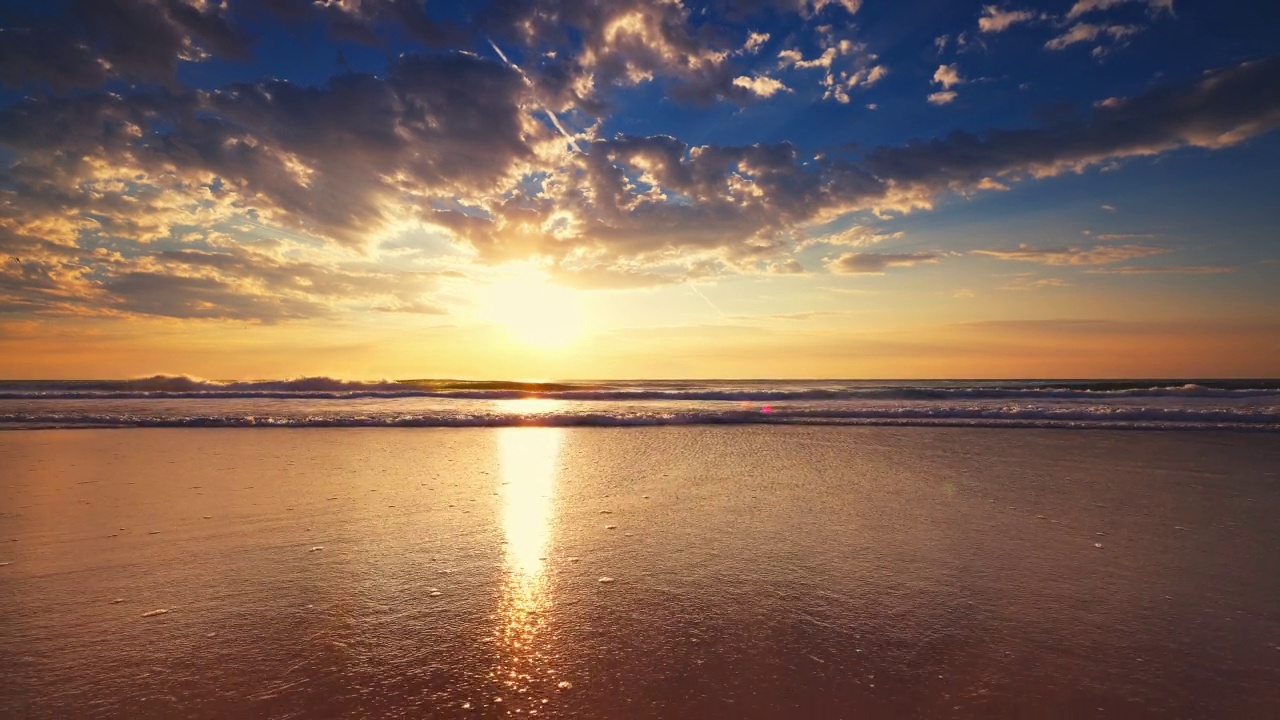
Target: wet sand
639	573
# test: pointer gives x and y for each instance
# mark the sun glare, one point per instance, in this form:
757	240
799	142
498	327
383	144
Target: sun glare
533	311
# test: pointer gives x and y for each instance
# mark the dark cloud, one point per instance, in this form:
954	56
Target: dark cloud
1165	270
115	200
230	282
94	41
324	161
657	199
1221	109
181	296
859	263
362	21
142	40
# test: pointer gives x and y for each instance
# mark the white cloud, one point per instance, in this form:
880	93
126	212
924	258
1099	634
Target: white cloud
1088	32
761	85
942	98
1024	284
1082	7
755	40
995	20
856	236
790	57
948	76
1099	255
839	86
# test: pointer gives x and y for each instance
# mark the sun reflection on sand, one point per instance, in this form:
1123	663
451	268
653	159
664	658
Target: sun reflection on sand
527	458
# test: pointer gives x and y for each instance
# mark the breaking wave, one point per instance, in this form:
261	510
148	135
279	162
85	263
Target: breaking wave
975	416
185	387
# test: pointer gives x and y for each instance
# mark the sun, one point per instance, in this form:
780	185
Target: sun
533	311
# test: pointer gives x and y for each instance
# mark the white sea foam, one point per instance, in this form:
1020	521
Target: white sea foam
1091	416
185	387
324	402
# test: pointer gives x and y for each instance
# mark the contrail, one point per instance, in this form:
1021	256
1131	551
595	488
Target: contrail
552	116
295	235
706	299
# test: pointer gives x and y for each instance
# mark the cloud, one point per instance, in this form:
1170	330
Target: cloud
948	76
1055	325
1112	237
1165	270
1023	284
755	41
1100	255
826	59
995	20
659	200
607	278
1082	7
336	162
850	6
858	68
586	48
875	263
786	267
857	236
110	197
143	40
840	85
1220	109
228	283
1087	32
761	85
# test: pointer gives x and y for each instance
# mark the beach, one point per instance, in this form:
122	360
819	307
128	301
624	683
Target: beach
681	571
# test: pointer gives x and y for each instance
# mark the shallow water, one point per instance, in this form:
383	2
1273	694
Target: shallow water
165	401
750	571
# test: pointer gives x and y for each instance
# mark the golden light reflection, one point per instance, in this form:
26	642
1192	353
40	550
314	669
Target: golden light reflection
528	459
529	406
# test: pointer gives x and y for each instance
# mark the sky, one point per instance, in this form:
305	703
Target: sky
639	189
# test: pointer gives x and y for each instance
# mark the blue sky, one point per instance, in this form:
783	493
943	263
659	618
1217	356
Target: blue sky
788	179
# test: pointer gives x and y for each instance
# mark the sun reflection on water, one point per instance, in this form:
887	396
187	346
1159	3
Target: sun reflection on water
528	458
530	407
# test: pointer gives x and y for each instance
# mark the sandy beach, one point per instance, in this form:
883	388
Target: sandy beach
746	571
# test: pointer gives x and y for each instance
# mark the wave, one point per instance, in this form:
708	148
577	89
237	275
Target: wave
980	416
328	389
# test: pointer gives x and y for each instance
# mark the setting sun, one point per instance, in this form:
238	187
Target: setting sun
533	311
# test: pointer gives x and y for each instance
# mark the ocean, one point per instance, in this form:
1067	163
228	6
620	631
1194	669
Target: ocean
640	550
177	401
